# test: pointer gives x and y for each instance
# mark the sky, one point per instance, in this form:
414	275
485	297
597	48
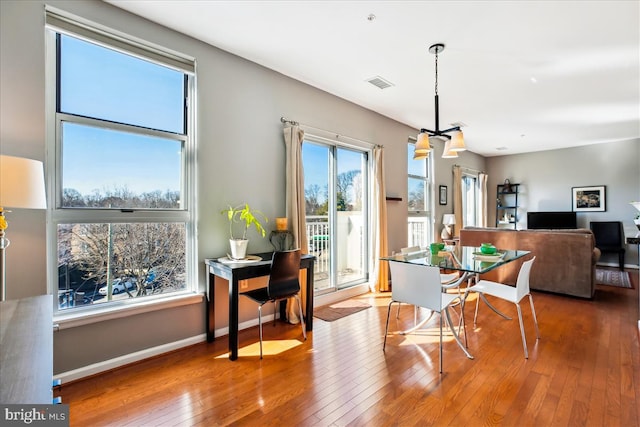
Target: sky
315	159
131	91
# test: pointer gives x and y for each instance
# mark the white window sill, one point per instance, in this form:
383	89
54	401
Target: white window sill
87	317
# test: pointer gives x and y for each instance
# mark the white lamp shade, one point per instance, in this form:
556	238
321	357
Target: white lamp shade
457	142
417	155
448	153
448	219
422	144
21	183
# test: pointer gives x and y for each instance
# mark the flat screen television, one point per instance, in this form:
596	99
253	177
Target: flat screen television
557	220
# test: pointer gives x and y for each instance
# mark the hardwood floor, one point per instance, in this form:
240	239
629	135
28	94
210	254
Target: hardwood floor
585	370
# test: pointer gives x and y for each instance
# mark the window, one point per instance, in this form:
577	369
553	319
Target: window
470	200
121	134
419	199
337	207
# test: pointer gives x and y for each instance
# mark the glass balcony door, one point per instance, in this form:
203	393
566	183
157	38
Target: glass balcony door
336	190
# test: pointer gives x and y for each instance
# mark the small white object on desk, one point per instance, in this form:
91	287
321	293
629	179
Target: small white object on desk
247	259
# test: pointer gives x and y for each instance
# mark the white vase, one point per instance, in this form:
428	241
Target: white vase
238	248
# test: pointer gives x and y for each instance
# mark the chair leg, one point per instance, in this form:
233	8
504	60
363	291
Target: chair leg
304	330
386	329
475	316
260	326
524	339
275	311
441	341
535	319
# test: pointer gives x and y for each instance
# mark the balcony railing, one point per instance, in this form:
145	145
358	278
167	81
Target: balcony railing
419	233
318	238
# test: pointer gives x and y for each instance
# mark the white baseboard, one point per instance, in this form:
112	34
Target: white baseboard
116	362
137	356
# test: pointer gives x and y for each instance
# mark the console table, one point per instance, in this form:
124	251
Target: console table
234	272
26	350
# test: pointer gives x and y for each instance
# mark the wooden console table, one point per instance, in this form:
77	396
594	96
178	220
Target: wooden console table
26	350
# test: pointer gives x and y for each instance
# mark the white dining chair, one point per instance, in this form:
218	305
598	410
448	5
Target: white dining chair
420	285
511	294
447	280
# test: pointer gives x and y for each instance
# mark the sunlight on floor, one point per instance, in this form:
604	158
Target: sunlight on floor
269	348
424	336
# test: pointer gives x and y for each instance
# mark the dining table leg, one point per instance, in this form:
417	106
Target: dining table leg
455	334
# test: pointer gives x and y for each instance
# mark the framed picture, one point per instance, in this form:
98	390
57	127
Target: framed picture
443	194
588	199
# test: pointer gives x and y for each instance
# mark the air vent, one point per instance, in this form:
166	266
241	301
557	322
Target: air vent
379	82
458	124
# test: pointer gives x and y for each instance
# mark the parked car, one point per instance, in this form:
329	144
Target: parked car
118	286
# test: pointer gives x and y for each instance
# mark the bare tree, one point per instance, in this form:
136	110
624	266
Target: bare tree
344	182
149	255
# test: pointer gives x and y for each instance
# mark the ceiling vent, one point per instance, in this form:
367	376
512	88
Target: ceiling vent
379	82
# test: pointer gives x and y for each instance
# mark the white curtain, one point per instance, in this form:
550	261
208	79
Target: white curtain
380	271
295	206
457	199
483	199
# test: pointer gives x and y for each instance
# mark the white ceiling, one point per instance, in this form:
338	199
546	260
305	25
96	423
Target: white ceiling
521	75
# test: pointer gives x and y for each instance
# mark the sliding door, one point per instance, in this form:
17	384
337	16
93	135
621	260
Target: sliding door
336	198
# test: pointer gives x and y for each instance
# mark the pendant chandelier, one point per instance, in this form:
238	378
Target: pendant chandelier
454	140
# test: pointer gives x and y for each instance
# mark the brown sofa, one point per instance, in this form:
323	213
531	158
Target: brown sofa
565	259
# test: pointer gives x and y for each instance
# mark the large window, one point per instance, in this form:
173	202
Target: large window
337	207
419	199
470	200
122	168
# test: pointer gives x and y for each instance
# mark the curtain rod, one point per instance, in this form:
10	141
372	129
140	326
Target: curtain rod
337	135
469	169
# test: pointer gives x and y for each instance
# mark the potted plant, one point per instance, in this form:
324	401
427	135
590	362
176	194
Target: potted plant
247	217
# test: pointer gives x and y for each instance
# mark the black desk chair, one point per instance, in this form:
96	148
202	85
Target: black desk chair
609	238
283	284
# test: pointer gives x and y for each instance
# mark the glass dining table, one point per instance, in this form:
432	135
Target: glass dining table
469	261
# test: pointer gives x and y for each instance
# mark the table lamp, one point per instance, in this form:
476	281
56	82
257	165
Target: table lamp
448	220
21	187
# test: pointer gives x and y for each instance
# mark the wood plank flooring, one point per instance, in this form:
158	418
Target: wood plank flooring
584	371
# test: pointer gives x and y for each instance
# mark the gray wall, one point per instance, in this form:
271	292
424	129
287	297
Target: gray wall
239	134
548	176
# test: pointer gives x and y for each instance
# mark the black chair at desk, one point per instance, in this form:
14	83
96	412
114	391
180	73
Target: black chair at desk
283	283
609	238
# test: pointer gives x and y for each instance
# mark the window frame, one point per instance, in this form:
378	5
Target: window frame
427	214
58	22
464	179
333	144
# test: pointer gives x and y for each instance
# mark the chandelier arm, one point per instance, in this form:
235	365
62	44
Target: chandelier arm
453	129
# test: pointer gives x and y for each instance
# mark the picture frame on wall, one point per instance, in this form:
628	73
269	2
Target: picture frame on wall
589	199
443	194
